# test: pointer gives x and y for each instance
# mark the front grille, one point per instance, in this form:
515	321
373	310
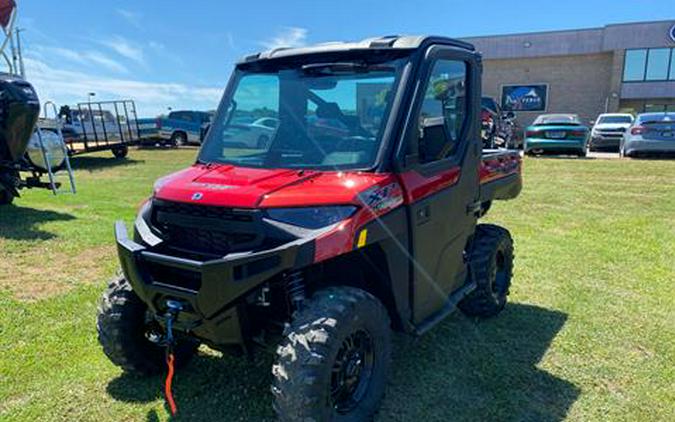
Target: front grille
613	131
207	229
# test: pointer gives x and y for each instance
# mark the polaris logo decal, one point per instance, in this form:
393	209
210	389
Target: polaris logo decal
197	196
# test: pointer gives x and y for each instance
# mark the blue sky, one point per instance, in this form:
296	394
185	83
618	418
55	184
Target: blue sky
179	54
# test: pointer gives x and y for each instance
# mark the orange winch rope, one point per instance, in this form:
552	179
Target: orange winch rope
167	385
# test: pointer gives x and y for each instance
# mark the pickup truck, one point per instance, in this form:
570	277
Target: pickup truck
328	236
183	127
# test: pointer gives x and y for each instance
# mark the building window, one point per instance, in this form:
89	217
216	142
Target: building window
649	64
657	64
634	66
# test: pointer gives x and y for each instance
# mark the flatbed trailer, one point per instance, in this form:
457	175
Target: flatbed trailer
101	126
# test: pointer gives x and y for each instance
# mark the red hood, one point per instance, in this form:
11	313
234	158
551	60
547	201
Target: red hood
244	187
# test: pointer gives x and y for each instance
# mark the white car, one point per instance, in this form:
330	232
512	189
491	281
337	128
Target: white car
255	135
608	130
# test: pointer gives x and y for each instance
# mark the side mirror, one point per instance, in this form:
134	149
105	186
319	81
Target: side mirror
591	122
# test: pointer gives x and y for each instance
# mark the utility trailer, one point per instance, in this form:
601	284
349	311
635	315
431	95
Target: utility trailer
101	126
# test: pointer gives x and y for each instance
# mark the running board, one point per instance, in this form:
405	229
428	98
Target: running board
450	307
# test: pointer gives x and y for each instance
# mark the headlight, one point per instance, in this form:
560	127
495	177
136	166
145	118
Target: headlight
311	218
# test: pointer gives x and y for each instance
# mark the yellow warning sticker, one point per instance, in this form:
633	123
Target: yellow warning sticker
362	238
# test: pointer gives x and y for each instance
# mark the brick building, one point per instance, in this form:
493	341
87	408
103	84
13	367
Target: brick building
623	67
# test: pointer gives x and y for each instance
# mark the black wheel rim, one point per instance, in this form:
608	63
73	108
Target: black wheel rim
352	371
500	276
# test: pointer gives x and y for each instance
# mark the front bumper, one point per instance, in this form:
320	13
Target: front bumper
210	291
605	142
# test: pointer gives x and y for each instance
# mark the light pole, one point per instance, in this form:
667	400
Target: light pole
90	96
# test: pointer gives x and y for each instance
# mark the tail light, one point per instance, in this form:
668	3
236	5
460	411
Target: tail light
485	115
158	122
638	130
532	134
578	133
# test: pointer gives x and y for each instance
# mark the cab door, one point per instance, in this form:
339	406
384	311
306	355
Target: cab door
440	175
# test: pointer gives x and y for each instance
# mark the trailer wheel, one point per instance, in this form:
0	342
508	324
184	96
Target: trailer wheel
6	197
120	152
333	360
126	332
491	265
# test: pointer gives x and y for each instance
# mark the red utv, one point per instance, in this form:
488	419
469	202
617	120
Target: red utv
322	241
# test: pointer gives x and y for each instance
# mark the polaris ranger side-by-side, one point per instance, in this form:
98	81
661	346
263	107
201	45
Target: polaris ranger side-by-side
358	217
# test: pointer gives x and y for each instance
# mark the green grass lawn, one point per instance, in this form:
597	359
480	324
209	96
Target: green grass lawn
589	333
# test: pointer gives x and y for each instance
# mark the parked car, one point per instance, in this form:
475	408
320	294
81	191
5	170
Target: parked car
608	130
498	128
650	133
184	126
557	133
256	134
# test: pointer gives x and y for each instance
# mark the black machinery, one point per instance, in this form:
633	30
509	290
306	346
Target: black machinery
27	144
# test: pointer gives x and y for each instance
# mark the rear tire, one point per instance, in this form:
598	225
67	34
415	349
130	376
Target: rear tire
491	264
120	152
332	363
122	326
178	139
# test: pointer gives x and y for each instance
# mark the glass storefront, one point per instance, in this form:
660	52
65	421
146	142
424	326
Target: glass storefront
649	64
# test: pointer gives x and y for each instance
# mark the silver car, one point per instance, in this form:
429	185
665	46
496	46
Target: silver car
650	133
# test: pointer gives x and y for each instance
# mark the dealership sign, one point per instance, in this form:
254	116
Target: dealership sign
672	33
524	97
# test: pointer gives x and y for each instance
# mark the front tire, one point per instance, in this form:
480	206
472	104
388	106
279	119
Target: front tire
333	360
491	264
123	329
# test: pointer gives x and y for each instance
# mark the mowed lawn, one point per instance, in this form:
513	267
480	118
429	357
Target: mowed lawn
588	335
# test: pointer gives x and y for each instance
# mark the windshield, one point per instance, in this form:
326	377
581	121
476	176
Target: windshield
318	116
656	118
557	119
616	119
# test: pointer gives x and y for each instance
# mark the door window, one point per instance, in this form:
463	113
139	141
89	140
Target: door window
444	111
